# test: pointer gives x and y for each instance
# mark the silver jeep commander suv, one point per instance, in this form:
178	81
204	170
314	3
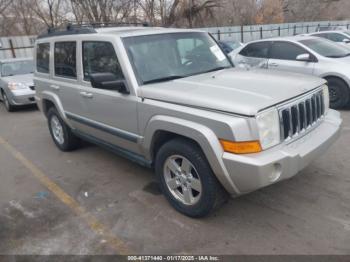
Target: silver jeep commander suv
170	99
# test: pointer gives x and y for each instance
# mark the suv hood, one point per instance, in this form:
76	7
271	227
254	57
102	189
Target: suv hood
236	91
26	79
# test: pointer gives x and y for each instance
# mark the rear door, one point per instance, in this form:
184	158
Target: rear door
65	81
283	58
253	55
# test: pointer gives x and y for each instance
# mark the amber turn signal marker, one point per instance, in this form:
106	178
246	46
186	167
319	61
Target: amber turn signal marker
241	147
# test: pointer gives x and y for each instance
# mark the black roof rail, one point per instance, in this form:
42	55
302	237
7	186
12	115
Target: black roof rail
73	28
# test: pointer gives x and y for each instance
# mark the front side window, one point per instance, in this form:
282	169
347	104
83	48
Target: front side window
43	58
164	57
326	48
257	50
65	59
100	57
17	68
286	51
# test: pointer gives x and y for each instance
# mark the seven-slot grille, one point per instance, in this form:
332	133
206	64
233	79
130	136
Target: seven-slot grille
301	115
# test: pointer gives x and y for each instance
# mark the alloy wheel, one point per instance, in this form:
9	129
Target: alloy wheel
182	180
57	129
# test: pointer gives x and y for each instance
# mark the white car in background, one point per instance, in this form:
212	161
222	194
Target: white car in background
16	82
340	37
302	54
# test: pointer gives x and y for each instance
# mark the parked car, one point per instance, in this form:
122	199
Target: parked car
341	37
229	46
331	28
16	82
303	54
170	99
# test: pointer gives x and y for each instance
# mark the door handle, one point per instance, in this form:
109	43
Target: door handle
273	65
86	95
55	87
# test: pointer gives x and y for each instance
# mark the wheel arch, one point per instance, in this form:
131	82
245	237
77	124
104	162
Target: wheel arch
48	100
337	76
161	129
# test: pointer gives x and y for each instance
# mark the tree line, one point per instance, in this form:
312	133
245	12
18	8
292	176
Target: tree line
30	17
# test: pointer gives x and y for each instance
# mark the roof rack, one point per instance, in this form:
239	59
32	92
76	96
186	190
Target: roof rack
86	28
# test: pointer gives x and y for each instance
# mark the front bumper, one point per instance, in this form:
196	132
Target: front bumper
22	97
254	171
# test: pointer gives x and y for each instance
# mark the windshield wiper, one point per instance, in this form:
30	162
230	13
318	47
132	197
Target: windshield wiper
163	79
217	69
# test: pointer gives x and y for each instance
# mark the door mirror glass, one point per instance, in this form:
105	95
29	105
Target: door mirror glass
108	81
304	58
346	41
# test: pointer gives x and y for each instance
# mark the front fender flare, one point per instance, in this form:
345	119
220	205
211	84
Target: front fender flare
204	136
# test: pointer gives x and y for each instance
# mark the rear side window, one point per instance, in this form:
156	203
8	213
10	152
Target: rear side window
100	57
258	50
286	51
43	58
65	59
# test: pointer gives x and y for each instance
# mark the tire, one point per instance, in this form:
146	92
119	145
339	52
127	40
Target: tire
339	93
61	134
184	153
8	106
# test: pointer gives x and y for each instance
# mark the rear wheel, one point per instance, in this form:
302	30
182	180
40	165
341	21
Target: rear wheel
60	132
339	93
186	178
8	106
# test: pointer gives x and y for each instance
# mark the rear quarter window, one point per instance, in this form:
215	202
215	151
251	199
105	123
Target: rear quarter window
43	58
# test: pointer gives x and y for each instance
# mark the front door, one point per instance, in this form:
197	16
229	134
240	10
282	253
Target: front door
111	116
283	58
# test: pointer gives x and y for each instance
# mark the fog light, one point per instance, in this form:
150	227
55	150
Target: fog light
276	173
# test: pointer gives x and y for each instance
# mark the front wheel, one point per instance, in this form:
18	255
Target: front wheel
186	178
8	106
338	93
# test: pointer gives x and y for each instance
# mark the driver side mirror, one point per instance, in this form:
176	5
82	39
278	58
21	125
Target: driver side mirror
346	41
108	81
304	58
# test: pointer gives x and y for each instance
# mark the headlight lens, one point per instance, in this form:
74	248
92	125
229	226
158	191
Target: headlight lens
16	86
269	128
326	98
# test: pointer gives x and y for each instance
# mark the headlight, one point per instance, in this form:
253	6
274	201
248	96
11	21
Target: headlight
269	128
16	86
326	98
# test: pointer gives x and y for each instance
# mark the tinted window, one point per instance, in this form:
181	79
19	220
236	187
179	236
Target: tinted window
259	50
286	51
100	57
336	37
326	48
65	59
43	58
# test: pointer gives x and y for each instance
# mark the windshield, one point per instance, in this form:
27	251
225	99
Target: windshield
347	33
17	68
164	57
326	48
